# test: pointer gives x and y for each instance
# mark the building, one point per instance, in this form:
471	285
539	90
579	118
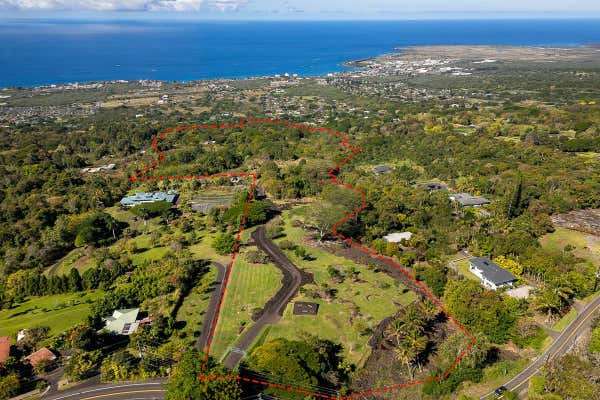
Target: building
22	334
4	348
146	198
380	169
468	200
42	354
122	322
93	170
398	237
490	274
433	186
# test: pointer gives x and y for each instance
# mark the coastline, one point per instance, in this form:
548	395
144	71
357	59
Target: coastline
399	53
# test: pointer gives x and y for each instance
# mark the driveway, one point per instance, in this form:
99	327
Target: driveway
274	308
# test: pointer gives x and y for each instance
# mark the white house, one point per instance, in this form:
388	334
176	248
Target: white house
491	275
398	237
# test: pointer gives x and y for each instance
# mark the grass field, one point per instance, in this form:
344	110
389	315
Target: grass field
59	312
249	288
584	247
193	307
463	269
357	307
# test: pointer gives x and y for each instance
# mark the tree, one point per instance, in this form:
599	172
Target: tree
82	364
97	228
184	383
323	216
224	244
75	284
479	309
9	385
82	337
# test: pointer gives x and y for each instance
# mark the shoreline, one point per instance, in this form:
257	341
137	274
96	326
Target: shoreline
348	66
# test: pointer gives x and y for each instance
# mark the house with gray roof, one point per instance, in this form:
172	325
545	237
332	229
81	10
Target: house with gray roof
433	186
122	322
491	275
468	200
146	198
380	169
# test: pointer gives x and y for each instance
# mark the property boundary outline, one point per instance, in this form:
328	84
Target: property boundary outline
170	133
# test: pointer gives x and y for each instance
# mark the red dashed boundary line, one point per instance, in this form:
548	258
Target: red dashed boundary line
171	133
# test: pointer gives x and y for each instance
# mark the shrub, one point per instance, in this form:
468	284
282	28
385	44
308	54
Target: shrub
257	257
287	245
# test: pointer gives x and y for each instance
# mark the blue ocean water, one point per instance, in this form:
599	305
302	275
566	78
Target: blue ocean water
44	52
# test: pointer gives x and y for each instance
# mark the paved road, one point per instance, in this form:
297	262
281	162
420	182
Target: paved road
150	390
273	310
559	347
211	311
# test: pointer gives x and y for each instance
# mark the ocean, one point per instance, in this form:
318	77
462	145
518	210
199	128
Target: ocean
41	52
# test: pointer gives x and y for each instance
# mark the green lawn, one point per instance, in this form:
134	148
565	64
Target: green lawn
193	307
149	255
463	269
250	286
205	251
59	312
357	307
75	259
561	237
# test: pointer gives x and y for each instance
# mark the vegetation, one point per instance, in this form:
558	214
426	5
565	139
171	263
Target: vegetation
520	136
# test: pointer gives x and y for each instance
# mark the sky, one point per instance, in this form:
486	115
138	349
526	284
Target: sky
300	9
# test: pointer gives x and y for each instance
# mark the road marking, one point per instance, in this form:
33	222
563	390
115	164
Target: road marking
121	393
584	320
107	388
566	341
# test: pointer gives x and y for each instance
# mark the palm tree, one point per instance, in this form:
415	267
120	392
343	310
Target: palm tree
112	224
396	330
406	355
415	341
430	309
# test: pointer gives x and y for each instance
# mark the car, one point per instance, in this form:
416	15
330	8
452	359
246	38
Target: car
500	391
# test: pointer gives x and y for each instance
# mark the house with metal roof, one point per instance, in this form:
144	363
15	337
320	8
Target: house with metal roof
491	275
122	322
468	200
146	198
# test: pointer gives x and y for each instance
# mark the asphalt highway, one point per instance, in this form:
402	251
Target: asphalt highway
150	390
559	347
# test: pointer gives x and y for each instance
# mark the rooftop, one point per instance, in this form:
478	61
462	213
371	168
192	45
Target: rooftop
466	199
491	271
122	322
4	348
40	355
397	237
150	197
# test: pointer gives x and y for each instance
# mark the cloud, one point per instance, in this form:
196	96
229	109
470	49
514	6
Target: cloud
228	5
124	5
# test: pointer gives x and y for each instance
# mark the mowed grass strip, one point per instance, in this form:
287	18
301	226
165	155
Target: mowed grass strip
250	287
59	312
